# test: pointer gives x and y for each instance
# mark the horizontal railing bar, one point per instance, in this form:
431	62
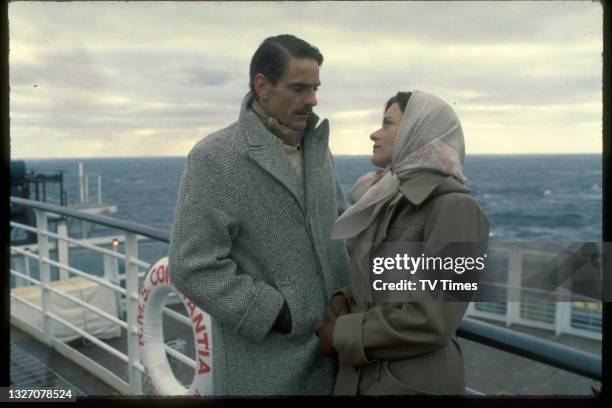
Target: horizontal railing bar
181	357
83	333
142	274
76	271
136	297
90	337
26	302
25	253
23	226
133	227
86	276
531	347
26	277
98	370
177	316
27	327
107	239
139	367
535	291
81	244
88	306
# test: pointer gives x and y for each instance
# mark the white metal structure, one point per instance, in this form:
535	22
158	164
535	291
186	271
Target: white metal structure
582	319
85	182
134	268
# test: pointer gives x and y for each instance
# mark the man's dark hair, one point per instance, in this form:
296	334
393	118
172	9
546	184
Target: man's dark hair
401	98
271	57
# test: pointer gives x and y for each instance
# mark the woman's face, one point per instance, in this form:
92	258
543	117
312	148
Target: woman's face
384	137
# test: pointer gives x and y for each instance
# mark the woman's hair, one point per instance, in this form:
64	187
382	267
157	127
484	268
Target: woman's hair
401	98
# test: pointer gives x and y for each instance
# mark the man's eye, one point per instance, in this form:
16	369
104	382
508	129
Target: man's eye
298	88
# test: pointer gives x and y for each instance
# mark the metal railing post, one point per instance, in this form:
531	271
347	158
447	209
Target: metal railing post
111	274
563	316
131	274
45	274
99	189
81	183
86	187
62	249
515	267
28	272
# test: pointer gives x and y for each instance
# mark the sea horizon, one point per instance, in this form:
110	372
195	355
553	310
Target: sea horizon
527	197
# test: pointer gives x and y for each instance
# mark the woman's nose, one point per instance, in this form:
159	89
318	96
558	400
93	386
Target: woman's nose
374	135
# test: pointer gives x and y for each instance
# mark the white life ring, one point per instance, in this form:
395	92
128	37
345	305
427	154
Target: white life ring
156	288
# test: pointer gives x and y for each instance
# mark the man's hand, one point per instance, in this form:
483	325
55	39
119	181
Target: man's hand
338	306
326	335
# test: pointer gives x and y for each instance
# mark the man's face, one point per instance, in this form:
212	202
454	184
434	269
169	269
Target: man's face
291	100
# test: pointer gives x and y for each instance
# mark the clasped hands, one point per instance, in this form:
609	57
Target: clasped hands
338	306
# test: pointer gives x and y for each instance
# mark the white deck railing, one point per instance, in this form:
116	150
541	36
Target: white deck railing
131	233
536	308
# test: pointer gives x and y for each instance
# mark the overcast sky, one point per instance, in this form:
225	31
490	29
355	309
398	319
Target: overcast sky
115	79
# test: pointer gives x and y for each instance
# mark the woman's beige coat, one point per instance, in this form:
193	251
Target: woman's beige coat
408	348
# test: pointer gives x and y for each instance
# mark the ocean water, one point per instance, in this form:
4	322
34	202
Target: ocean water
536	198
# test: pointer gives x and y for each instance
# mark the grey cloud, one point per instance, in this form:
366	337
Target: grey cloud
109	82
209	78
461	22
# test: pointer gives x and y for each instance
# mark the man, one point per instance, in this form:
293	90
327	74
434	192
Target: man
251	239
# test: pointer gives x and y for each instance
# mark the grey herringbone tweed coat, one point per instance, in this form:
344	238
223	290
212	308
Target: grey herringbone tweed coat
246	238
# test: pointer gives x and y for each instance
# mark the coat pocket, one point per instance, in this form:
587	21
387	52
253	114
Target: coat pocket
303	304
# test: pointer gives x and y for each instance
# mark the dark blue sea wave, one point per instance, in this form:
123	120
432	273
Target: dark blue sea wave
527	198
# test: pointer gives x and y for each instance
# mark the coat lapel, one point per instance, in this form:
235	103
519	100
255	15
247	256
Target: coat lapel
315	145
266	150
385	220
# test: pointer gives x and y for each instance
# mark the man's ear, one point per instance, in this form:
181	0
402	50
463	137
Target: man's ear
262	86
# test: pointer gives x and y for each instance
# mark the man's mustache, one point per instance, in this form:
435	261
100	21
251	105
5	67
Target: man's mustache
302	111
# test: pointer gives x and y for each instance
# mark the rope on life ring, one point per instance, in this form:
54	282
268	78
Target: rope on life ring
152	299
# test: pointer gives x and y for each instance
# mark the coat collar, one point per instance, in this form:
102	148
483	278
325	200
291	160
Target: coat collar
258	135
417	190
427	184
265	149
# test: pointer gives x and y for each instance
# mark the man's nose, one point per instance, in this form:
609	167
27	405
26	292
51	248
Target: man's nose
311	98
374	135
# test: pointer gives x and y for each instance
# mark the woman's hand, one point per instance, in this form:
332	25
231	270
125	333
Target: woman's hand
326	336
338	306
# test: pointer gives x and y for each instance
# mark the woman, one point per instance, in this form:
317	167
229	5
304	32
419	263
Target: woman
405	347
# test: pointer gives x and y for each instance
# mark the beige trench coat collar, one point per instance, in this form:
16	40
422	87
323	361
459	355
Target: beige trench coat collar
265	149
417	190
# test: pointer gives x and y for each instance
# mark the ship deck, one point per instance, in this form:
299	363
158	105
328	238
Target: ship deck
488	370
